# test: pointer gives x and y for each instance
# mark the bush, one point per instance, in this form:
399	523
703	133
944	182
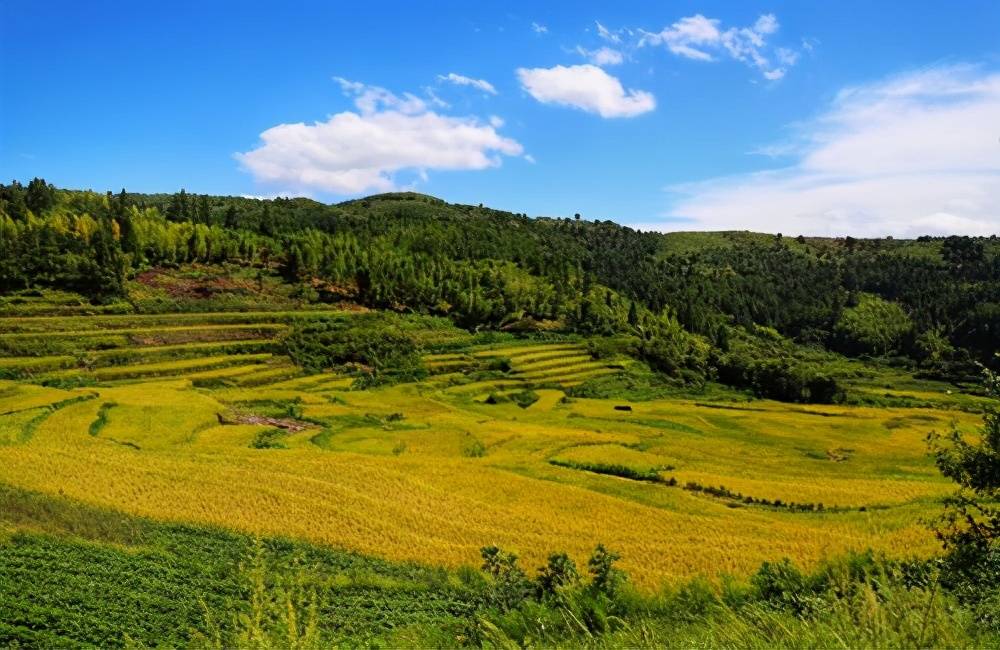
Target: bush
269	439
782	585
509	586
473	448
524	398
874	326
558	573
774	368
372	344
780	379
970	524
606	578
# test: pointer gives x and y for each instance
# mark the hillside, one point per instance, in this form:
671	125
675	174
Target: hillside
287	420
497	438
485	268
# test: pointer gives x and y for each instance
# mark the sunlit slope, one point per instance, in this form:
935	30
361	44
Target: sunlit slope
432	471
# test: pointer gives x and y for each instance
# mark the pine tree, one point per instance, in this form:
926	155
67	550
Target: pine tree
204	209
231	219
178	208
40	196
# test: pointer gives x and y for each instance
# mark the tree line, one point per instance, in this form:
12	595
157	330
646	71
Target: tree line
933	301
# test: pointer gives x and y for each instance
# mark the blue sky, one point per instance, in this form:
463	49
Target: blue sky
822	118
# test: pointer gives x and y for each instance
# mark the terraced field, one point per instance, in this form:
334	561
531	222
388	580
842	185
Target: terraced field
199	418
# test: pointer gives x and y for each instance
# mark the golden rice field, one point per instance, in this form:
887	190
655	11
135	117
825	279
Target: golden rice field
431	471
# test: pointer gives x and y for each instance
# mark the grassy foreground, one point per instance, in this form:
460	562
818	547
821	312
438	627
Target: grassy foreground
74	576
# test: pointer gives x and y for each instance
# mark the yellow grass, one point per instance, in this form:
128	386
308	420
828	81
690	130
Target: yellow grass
162	368
615	455
547	399
400	472
19	397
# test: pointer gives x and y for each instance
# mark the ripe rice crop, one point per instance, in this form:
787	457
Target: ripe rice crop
429	472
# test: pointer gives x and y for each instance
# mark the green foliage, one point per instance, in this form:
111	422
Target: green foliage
488	269
102	418
874	326
771	366
269	439
509	586
970	524
605	577
933	350
524	398
283	613
622	471
86	576
372	344
560	572
473	447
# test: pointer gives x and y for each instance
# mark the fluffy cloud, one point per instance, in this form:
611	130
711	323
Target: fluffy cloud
602	56
586	87
688	37
354	152
462	80
703	39
911	155
539	29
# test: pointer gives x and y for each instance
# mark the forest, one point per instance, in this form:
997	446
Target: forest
749	310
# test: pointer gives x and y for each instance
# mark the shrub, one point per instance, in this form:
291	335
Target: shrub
524	398
269	439
782	585
558	573
970	525
509	585
473	448
606	578
373	344
874	326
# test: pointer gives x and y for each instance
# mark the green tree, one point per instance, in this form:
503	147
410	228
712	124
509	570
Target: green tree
372	344
970	525
40	196
179	209
875	325
204	212
933	349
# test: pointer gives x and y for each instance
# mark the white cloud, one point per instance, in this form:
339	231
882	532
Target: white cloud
688	37
354	152
602	56
271	196
539	29
434	99
607	34
910	155
786	56
703	39
462	80
586	87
